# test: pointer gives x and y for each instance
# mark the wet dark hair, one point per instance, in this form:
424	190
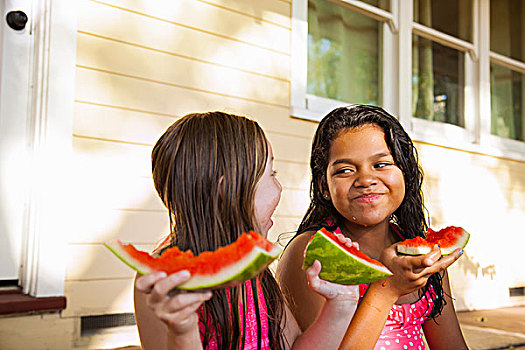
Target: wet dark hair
206	168
410	218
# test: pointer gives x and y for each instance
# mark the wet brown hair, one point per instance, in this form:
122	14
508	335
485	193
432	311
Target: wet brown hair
206	167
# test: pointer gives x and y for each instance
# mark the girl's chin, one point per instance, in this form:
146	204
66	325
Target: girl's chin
366	222
265	227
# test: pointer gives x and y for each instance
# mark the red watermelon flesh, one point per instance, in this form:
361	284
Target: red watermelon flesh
231	264
449	239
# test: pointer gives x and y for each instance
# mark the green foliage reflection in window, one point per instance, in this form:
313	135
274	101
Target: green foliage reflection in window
343	54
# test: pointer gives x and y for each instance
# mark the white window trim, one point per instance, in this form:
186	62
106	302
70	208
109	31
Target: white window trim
46	228
475	136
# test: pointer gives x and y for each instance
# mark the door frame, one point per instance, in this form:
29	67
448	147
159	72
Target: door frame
52	86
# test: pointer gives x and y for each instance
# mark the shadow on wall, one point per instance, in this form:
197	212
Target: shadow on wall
470	266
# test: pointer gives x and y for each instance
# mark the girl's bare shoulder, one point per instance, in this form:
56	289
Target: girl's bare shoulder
293	254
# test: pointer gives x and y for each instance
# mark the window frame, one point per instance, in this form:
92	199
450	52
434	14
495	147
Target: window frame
312	107
398	28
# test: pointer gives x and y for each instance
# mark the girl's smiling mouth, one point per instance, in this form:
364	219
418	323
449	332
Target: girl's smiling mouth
367	198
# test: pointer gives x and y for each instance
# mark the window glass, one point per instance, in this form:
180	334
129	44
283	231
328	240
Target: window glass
437	82
506	100
382	4
343	54
507	26
453	17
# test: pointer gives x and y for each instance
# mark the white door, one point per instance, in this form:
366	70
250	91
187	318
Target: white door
15	53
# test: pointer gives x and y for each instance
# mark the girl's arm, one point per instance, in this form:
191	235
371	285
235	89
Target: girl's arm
167	321
445	333
410	273
304	303
328	329
326	322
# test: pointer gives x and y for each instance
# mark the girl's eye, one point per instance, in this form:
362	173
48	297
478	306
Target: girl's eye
382	164
344	171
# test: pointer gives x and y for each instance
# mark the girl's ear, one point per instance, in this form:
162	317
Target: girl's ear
323	188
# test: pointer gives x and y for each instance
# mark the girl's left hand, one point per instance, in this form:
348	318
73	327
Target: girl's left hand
332	291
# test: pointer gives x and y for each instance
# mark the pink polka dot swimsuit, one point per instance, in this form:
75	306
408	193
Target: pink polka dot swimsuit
403	326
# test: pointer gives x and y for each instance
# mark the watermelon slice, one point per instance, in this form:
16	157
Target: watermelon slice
342	264
449	239
229	265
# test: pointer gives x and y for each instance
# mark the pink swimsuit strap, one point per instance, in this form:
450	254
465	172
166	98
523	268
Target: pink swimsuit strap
250	341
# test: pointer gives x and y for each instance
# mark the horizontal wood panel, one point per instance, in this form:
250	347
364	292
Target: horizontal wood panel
211	19
273	11
290	148
292	175
98	297
128	93
283	230
96	189
293	203
112	158
119	124
95	261
138	62
101	225
145	31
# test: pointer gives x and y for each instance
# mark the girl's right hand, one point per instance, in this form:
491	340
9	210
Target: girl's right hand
176	308
332	291
411	273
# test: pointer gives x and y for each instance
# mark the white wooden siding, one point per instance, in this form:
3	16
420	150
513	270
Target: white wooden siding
140	66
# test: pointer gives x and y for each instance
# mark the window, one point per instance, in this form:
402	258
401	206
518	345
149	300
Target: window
343	47
453	71
507	46
341	54
437	68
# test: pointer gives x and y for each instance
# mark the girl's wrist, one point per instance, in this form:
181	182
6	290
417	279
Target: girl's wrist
342	307
385	290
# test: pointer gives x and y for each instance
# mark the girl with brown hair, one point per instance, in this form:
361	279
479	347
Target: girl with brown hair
214	173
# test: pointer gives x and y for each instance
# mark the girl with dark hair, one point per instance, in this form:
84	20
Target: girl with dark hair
367	185
214	173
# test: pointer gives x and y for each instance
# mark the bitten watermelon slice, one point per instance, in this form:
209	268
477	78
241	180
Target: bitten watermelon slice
342	264
229	265
449	239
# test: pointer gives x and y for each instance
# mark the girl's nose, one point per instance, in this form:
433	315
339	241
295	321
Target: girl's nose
365	179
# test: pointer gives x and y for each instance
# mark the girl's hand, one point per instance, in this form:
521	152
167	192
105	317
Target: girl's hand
176	308
411	273
346	241
332	291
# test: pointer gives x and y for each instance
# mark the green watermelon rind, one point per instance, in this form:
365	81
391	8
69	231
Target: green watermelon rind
242	270
339	265
248	267
115	247
425	249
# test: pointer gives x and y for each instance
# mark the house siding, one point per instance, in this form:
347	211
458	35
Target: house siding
141	65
